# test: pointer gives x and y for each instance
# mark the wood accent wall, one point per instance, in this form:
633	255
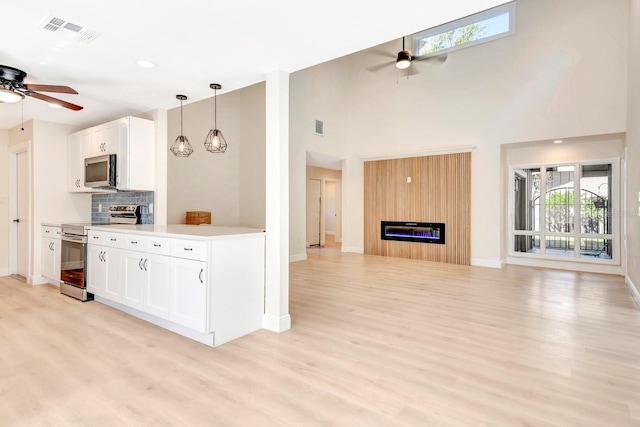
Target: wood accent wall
440	191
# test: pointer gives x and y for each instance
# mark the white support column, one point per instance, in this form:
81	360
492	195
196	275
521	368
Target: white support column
276	316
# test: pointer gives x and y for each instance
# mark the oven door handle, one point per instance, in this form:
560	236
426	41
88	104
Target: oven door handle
73	238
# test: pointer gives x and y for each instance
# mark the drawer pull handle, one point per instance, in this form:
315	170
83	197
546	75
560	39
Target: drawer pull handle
95	237
46	231
200	275
157	245
133	242
113	239
188	249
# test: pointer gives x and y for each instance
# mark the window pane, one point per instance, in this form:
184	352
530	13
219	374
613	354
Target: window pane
527	199
595	187
561	246
530	244
478	30
559	210
595	248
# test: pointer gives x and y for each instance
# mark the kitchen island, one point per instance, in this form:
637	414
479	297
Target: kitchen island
202	281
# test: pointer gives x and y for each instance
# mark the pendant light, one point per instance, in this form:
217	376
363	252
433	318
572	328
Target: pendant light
215	142
181	146
404	58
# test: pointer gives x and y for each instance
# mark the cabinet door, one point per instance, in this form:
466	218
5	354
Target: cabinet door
113	283
97	269
134	279
157	292
75	161
49	262
189	293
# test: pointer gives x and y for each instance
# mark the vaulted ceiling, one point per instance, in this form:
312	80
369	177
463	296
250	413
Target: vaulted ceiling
192	42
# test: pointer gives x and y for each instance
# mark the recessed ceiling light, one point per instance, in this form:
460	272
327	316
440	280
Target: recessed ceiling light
145	64
55	106
557	141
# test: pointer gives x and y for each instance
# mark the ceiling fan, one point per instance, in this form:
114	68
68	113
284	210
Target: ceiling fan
13	89
405	58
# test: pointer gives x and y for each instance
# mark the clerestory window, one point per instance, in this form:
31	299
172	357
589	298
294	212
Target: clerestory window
481	27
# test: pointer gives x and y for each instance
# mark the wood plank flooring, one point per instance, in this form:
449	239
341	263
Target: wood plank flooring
375	342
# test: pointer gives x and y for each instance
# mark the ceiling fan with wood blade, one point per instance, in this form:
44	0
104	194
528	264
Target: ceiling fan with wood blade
13	89
404	58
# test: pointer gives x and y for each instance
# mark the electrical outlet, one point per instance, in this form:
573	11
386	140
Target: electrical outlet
100	207
150	208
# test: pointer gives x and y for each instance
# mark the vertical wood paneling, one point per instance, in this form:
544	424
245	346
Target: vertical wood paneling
440	191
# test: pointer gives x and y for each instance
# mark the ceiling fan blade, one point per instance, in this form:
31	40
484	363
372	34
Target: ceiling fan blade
376	68
50	88
438	58
57	101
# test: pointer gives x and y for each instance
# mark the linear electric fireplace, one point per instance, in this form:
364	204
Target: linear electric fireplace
425	232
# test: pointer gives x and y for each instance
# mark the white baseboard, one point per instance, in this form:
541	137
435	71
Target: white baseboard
352	249
633	289
4	271
275	323
297	257
37	280
331	233
491	263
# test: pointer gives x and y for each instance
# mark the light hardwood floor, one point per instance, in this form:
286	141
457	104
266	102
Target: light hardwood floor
375	342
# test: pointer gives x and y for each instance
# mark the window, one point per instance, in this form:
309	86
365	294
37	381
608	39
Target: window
482	27
564	211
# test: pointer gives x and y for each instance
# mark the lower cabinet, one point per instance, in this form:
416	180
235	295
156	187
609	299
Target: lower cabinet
104	265
147	283
51	258
189	293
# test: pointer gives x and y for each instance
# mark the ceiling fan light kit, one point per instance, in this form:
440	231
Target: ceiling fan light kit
181	146
404	60
215	142
10	96
13	89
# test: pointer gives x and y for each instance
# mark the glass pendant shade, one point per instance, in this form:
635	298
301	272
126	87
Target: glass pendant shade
215	142
9	96
181	146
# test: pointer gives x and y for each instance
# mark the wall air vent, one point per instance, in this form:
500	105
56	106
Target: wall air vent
69	30
319	128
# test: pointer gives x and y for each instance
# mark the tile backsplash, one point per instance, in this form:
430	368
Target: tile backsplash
142	198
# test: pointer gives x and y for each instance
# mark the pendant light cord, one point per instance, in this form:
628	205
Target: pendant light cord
181	132
215	108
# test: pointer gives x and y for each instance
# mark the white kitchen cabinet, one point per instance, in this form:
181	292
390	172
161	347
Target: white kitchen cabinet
189	293
147	282
136	154
75	163
134	279
104	268
104	139
51	253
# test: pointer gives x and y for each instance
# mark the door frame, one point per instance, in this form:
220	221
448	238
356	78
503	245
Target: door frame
338	202
14	150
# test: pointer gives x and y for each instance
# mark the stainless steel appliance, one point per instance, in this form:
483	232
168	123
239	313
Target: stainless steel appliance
73	260
100	172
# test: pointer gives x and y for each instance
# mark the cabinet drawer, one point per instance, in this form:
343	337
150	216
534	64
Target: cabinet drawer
114	240
135	242
51	232
158	245
95	237
190	249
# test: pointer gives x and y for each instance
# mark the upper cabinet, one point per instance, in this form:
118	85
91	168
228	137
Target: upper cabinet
131	139
104	140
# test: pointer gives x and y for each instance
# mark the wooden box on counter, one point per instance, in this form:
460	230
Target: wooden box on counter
198	217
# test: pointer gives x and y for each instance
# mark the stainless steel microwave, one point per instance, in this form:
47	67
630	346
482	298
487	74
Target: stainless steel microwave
100	172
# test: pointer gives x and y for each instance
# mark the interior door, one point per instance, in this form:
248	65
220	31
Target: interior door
313	212
21	214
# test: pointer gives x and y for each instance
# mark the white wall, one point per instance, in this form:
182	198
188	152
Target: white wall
633	151
230	185
4	202
552	79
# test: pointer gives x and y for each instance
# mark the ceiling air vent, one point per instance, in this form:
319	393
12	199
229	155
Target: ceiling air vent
319	128
69	30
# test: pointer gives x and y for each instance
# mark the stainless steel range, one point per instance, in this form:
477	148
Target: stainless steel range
73	257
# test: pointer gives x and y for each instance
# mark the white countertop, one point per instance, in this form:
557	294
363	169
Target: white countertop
51	224
173	230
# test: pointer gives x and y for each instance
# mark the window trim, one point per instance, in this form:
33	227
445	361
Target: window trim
615	236
467	20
